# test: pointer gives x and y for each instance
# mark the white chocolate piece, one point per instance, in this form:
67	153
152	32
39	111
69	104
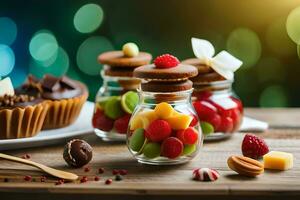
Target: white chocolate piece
130	49
6	87
278	160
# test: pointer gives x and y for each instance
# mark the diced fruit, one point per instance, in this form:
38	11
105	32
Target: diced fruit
194	121
136	122
187	136
137	139
180	121
152	150
121	124
143	119
129	100
166	61
278	160
207	128
226	125
171	148
158	130
204	109
214	120
163	110
113	108
189	149
102	122
254	147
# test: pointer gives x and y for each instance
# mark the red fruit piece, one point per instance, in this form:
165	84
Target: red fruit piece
115	171
204	109
158	130
214	120
83	179
226	125
254	147
121	124
27	178
97	178
102	122
123	172
236	118
202	95
171	147
166	61
239	104
194	121
187	136
108	181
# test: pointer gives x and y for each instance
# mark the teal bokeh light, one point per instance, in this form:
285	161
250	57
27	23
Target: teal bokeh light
8	31
7	60
88	18
43	46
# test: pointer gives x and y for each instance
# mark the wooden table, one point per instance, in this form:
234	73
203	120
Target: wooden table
169	182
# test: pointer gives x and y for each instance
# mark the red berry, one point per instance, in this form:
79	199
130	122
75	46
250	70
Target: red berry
166	61
158	130
226	125
108	181
204	109
214	120
188	136
27	178
97	178
194	121
83	179
87	169
171	147
101	170
254	147
123	172
115	171
121	124
102	122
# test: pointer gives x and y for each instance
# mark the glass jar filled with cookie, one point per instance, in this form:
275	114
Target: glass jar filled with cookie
164	128
219	109
117	97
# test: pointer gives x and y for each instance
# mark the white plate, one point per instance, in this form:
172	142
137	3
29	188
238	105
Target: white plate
82	126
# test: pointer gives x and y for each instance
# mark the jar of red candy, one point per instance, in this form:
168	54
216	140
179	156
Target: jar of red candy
164	128
117	97
218	109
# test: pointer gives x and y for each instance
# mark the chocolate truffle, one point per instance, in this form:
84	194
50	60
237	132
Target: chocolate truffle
77	153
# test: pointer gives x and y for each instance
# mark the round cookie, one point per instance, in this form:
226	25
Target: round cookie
209	77
180	72
118	72
202	68
118	59
156	86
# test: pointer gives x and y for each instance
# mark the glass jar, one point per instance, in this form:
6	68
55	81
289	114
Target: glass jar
164	129
219	109
112	113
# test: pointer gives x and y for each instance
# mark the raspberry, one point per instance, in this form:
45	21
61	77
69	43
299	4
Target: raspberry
254	147
171	148
194	121
187	136
102	122
166	61
158	130
226	125
121	124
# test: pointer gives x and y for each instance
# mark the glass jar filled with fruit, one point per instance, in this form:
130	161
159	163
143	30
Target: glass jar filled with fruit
218	109
117	97
164	128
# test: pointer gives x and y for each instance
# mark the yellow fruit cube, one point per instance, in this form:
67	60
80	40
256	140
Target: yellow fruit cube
143	119
163	110
179	121
278	160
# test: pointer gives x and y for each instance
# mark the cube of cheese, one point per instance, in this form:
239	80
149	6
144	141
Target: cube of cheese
278	160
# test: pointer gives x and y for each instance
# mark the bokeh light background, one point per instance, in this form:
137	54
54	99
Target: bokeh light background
65	37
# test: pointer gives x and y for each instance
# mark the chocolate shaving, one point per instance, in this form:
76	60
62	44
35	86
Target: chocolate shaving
68	82
50	83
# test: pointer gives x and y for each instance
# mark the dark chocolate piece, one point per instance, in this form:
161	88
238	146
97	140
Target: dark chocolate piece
68	82
77	153
50	83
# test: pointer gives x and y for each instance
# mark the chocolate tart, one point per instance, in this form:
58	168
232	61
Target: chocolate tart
21	116
65	97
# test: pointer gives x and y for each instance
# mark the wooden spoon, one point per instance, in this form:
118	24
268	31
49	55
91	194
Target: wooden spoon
49	170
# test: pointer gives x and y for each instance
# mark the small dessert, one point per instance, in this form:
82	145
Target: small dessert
117	97
164	129
66	98
205	174
212	95
278	160
245	166
77	153
254	147
21	115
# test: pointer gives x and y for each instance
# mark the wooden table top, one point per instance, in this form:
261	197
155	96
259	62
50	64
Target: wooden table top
170	182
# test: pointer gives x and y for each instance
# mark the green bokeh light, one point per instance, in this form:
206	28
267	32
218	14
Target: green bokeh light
273	96
58	68
245	45
88	18
7	60
88	52
270	69
43	46
293	26
278	39
8	31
